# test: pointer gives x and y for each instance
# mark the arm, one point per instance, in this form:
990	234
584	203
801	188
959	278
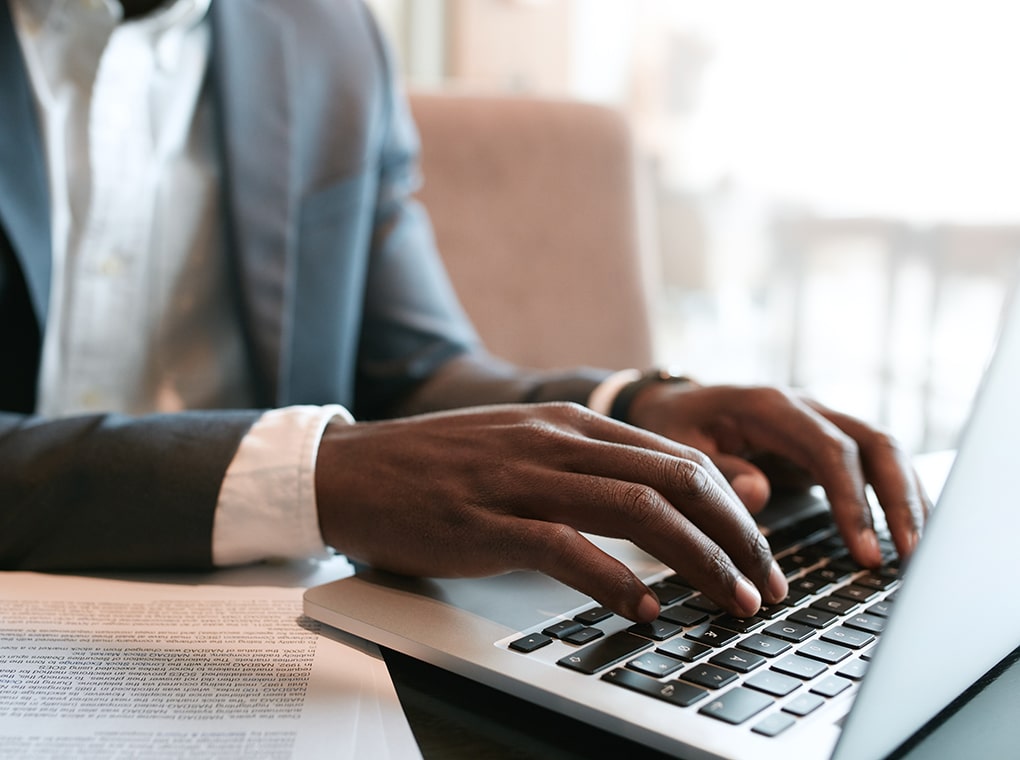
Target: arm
496	488
103	492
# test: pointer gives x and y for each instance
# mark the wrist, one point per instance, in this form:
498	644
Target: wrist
627	404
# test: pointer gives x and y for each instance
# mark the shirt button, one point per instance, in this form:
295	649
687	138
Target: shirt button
91	399
111	266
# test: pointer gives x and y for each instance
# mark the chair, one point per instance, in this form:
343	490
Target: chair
534	205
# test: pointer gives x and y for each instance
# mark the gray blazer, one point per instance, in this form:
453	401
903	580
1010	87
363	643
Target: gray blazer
339	288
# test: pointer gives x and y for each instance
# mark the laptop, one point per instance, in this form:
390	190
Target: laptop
851	666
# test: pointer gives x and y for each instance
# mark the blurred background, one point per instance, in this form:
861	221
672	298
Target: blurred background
836	186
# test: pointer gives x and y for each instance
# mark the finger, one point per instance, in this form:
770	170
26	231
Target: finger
699	531
562	553
588	425
777	422
887	467
748	481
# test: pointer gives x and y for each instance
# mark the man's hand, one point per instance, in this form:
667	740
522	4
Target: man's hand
736	426
494	489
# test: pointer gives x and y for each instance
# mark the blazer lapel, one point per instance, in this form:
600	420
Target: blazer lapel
24	193
252	72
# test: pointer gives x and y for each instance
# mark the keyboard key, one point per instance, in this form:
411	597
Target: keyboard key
562	629
740	625
683	615
848	637
670	593
675	692
658	629
856	593
866	622
875	581
593	616
814	528
584	636
825	651
835	604
709	676
832	574
801	667
735	659
882	609
773	683
796	596
811	584
846	564
773	725
831	686
792	564
766	645
604	653
711	635
853	670
813	617
771	611
688	651
803	704
795	632
891	570
655	665
704	604
736	705
531	642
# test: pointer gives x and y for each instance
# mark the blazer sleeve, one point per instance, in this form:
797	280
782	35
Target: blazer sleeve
110	491
413	321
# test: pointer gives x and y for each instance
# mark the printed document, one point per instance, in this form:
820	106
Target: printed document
92	667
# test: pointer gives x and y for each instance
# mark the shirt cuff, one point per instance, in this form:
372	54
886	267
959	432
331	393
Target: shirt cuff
266	508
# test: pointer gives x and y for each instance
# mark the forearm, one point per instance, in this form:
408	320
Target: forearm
111	491
477	379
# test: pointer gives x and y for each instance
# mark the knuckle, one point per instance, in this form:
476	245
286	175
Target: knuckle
692	478
556	420
569	410
842	450
761	552
884	442
638	503
717	564
767	396
557	545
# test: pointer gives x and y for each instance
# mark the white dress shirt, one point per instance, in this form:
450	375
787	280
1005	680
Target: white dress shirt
140	318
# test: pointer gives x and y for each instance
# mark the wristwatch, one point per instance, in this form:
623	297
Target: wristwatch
620	408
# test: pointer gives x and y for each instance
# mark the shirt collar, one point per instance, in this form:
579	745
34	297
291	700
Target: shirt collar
175	15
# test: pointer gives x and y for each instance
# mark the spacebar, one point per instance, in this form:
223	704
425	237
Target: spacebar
602	654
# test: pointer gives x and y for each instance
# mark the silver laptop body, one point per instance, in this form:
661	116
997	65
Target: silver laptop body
465	626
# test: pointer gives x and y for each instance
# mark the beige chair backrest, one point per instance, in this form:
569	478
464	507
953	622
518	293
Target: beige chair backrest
535	209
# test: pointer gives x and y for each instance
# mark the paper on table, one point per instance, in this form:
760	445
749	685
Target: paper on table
112	668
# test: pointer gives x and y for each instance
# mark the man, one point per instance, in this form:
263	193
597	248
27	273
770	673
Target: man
207	207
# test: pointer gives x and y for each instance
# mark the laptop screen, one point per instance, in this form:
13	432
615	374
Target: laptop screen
967	562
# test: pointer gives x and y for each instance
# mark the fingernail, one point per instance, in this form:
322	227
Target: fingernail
912	541
868	544
647	609
747	597
777	585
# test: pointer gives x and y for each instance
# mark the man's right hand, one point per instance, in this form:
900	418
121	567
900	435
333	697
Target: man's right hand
488	490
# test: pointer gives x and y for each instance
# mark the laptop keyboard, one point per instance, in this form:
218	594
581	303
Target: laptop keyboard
762	673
